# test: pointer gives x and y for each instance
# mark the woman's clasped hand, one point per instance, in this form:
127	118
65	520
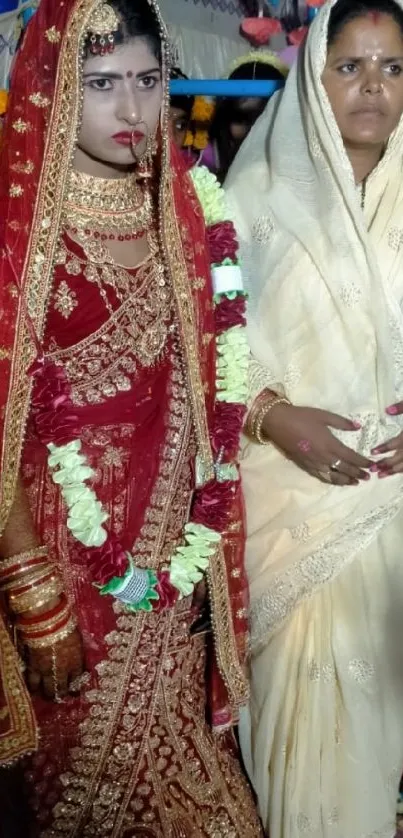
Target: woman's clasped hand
305	435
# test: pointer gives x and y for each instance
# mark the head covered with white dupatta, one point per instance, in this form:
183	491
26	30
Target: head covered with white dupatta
325	280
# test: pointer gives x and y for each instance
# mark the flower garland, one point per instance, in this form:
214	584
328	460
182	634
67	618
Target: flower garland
197	136
114	570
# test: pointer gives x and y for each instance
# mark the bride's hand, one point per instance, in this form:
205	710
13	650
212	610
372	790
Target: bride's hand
51	669
303	433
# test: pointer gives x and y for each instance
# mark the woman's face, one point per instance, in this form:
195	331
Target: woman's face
363	79
179	121
245	113
122	103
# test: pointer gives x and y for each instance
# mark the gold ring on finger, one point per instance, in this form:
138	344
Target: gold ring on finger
335	466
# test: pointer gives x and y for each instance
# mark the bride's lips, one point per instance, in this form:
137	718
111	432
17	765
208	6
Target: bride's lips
128	138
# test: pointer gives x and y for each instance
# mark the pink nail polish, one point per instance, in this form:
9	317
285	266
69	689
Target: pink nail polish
375	451
373	468
392	410
356	424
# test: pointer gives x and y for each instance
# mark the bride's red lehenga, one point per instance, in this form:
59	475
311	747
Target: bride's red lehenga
131	753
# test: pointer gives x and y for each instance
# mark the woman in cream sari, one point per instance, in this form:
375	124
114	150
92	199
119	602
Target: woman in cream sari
318	195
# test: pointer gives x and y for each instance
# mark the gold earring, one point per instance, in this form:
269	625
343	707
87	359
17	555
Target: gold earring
145	165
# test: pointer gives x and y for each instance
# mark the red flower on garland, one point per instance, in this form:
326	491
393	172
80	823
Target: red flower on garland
52	409
222	242
212	504
228	421
168	595
107	561
230	313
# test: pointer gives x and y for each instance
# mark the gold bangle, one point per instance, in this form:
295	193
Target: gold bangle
45	624
265	410
25	556
36	599
260	400
27	577
51	639
34	585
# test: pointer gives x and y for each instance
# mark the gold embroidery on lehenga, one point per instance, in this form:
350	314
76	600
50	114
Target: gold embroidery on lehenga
65	300
101	365
23	169
231	668
39	100
171	496
21	127
16	190
178	273
225	644
53	35
46	221
22	737
146	757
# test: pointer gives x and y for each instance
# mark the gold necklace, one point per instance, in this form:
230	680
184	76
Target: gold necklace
106	204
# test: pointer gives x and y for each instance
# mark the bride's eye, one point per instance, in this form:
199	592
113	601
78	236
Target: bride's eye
100	84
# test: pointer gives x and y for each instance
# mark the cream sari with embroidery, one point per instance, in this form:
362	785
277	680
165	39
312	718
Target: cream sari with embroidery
324	740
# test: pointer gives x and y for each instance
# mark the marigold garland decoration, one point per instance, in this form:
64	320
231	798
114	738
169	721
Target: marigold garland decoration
3	102
114	571
202	113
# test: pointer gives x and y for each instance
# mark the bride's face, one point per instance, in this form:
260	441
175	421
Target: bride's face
363	78
122	103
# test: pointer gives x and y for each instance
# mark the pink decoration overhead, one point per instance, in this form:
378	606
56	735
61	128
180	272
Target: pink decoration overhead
297	36
259	30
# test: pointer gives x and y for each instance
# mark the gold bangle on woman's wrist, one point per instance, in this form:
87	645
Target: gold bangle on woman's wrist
31	582
259	410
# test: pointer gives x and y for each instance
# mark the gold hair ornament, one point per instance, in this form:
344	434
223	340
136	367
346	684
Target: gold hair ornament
102	24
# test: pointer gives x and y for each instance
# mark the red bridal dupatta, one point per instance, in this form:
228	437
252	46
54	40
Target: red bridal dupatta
37	145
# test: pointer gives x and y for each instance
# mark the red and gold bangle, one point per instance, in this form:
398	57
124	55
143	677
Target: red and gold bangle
26	620
16	565
37	596
29	576
51	637
41	624
47	629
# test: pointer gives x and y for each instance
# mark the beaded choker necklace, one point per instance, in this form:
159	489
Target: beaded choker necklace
106	204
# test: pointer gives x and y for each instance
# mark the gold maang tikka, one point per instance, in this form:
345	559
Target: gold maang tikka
102	25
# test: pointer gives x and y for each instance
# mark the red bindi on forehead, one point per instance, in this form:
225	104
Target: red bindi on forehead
129	75
375	16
